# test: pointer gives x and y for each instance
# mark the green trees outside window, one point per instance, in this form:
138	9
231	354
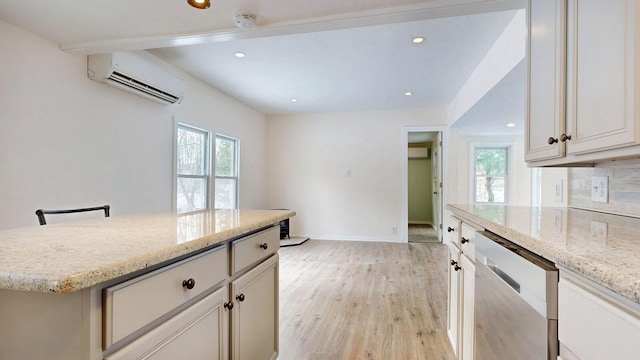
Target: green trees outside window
490	175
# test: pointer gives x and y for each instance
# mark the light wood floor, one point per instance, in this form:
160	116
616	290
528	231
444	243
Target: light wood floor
363	300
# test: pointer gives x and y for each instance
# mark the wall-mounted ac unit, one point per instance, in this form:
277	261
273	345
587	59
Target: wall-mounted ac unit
136	74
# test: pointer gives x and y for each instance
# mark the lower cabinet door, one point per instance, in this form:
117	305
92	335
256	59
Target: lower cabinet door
467	308
199	332
254	318
453	308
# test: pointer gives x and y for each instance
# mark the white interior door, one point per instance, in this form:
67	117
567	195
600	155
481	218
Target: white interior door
437	185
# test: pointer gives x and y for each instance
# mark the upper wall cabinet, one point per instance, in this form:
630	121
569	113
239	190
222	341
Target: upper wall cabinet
582	71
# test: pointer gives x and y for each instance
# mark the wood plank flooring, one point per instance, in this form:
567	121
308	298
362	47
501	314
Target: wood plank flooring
363	300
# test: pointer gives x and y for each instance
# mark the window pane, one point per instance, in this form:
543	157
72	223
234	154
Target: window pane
192	194
192	152
225	157
490	189
491	161
225	194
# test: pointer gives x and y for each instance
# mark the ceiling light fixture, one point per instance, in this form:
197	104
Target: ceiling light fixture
294	100
199	4
417	40
511	125
408	93
239	54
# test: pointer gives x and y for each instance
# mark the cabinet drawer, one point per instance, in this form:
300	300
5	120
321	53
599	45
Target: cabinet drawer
133	304
468	241
251	249
453	230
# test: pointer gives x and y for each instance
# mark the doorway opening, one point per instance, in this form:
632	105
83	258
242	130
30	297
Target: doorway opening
423	183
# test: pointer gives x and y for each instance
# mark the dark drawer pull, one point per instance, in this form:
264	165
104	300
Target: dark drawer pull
240	297
450	229
464	240
228	305
189	284
264	246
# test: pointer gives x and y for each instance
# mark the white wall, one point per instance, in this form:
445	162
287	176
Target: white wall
66	141
341	172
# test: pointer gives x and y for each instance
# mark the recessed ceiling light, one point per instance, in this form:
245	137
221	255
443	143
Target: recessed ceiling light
199	4
417	40
511	125
408	93
294	100
239	54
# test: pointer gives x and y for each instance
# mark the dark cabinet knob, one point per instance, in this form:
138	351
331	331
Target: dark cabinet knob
464	240
264	246
189	284
228	305
455	265
240	297
450	229
565	137
552	140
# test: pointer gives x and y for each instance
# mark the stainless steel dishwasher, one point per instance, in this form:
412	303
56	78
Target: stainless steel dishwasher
516	302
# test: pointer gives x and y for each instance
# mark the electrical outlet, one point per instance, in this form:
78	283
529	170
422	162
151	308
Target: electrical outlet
394	229
600	189
559	188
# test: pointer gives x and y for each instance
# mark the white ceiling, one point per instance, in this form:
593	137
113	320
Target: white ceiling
332	55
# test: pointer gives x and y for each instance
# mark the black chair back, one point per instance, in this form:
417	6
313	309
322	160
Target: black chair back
40	212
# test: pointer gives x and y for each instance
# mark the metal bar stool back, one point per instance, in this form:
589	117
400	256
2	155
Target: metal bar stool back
40	212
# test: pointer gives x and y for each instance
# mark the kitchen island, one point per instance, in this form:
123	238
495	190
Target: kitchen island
116	287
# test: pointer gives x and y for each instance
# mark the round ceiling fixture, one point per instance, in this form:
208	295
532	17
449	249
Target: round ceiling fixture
200	4
245	21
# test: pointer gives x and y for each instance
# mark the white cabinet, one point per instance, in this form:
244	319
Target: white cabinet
595	323
546	59
254	318
461	280
467	307
590	112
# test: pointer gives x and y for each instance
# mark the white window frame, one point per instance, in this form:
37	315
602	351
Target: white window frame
207	166
236	166
472	169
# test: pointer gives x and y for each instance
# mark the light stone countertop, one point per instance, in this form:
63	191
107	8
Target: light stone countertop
72	256
601	247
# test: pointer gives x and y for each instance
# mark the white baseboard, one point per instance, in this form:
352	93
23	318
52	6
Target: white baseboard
355	238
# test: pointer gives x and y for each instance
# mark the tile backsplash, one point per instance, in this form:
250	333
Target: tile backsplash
624	187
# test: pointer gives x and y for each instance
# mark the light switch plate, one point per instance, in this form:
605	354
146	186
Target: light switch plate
600	189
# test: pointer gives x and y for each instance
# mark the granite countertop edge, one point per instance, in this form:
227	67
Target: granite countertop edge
614	279
69	283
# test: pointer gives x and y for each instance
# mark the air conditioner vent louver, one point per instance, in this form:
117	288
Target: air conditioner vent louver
137	85
138	75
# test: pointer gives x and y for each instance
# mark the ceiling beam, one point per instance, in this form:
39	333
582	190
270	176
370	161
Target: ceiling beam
424	11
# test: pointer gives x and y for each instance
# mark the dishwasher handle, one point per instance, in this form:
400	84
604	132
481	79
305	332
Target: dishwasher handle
502	275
